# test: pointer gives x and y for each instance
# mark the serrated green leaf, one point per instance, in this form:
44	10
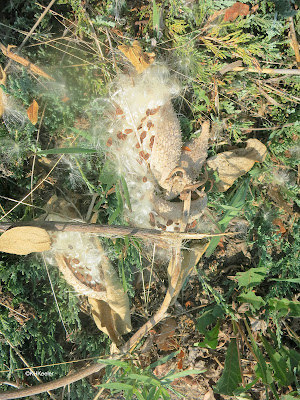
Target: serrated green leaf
252	277
250	297
231	377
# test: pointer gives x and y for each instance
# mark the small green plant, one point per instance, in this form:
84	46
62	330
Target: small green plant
141	383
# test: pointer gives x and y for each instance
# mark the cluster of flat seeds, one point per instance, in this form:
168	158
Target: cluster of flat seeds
132	146
140	108
81	256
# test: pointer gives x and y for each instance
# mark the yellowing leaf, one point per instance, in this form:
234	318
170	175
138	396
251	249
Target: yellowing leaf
230	165
32	112
24	240
139	59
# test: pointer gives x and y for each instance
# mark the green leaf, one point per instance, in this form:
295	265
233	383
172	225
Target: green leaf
285	307
291	280
67	150
231	377
181	374
116	363
116	386
242	389
163	360
209	317
211	338
84	134
126	192
252	277
282	374
236	204
119	208
250	297
293	359
145	379
156	19
108	175
262	369
138	394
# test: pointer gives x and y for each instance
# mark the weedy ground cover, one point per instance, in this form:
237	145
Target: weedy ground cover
237	318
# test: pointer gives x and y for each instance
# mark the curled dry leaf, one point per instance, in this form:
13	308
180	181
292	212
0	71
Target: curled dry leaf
230	165
139	59
24	240
190	258
32	112
165	340
236	10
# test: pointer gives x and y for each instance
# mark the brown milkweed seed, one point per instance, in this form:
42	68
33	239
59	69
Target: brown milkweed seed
109	142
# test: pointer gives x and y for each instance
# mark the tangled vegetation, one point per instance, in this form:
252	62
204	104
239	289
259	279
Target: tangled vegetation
237	319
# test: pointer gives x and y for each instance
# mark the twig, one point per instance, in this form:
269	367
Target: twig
268	70
34	156
294	41
112	230
268	128
11	309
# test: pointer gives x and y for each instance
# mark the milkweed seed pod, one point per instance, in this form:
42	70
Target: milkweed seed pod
145	143
85	266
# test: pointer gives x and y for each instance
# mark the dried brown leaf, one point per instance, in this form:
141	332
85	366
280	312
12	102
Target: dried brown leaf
236	10
32	112
139	59
189	261
165	340
230	165
108	320
24	240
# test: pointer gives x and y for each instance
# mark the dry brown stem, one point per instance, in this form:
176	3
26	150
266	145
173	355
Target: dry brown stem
110	230
294	41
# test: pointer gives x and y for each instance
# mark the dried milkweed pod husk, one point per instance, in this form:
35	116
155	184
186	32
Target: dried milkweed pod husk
85	266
